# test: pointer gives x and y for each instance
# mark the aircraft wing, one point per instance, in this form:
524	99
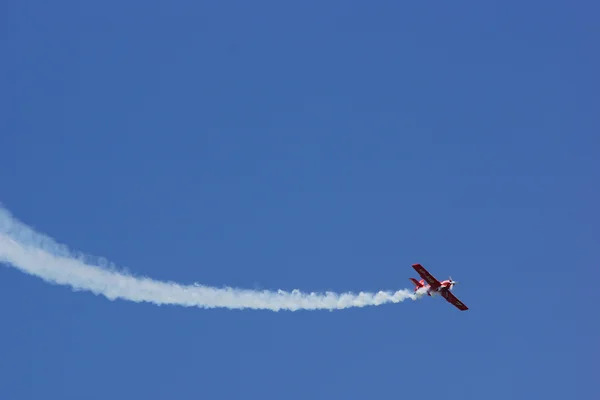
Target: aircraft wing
434	283
451	298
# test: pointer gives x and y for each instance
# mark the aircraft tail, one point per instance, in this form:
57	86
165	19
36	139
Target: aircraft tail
418	284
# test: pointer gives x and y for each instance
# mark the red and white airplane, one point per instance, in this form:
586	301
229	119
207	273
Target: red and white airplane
435	287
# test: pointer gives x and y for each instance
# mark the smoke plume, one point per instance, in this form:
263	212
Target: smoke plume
39	255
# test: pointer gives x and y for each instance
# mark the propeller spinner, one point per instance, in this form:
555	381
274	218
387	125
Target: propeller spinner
452	282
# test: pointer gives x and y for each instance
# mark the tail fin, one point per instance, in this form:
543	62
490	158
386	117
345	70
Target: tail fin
417	283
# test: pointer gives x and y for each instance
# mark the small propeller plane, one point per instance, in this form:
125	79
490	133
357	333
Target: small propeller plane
435	287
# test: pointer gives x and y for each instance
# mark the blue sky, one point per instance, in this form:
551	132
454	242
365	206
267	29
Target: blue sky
318	146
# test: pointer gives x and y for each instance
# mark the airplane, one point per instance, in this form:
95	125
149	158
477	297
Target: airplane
435	287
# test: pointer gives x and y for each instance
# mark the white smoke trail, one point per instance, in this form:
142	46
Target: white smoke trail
39	255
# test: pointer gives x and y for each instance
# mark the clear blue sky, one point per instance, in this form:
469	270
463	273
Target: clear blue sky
318	146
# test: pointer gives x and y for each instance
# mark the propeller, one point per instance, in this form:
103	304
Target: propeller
452	282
